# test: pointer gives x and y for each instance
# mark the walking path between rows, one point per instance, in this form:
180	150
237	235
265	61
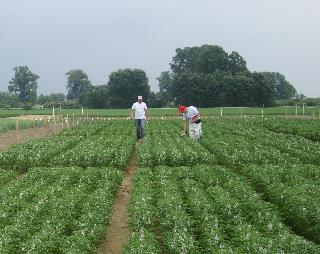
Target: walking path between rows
118	231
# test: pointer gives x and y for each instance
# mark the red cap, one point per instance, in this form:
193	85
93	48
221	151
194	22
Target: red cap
182	108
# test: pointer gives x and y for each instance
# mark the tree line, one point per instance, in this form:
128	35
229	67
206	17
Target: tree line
204	76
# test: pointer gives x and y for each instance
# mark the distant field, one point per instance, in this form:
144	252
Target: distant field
10	124
310	111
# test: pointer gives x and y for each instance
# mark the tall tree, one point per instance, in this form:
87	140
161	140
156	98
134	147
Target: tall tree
165	95
96	97
24	84
283	88
206	59
125	85
236	63
78	83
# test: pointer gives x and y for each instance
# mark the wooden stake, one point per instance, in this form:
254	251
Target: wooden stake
34	128
17	131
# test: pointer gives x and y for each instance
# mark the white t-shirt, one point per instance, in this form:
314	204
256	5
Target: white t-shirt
192	111
139	110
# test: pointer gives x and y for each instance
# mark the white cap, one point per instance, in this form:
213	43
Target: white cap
139	97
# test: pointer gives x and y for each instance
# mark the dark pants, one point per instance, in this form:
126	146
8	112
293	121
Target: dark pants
139	127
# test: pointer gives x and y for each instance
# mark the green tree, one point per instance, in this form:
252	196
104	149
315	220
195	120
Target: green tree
264	90
165	95
206	59
8	100
283	88
125	85
24	84
95	97
53	97
78	83
236	63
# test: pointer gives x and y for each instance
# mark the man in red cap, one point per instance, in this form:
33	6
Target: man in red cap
192	119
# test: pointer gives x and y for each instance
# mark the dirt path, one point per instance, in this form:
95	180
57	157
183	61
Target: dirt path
24	135
118	231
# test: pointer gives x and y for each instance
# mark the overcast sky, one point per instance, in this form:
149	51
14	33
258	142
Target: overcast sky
101	36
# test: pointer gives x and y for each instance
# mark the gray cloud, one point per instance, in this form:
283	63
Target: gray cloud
52	37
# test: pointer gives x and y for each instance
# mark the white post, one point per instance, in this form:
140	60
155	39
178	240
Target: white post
241	112
53	110
262	112
82	111
303	109
67	120
221	112
296	109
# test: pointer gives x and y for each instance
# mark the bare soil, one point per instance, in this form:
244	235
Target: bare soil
30	117
15	137
118	231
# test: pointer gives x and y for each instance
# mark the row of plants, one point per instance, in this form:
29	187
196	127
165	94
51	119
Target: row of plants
35	153
100	143
307	151
164	145
238	142
111	146
205	209
57	210
142	213
309	129
7	176
295	190
238	151
11	124
250	224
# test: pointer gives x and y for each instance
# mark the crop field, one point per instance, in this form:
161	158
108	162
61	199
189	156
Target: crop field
250	185
233	111
10	124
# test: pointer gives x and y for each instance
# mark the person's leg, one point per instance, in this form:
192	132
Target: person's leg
137	123
142	124
191	131
197	131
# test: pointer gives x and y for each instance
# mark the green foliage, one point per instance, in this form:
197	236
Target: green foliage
8	100
24	84
206	59
57	210
78	83
10	124
248	186
207	76
284	90
53	97
125	85
96	97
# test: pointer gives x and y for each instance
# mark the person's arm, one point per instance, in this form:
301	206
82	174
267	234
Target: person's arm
196	117
185	128
146	113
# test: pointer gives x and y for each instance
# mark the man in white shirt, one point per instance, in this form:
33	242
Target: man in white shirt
192	119
139	109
